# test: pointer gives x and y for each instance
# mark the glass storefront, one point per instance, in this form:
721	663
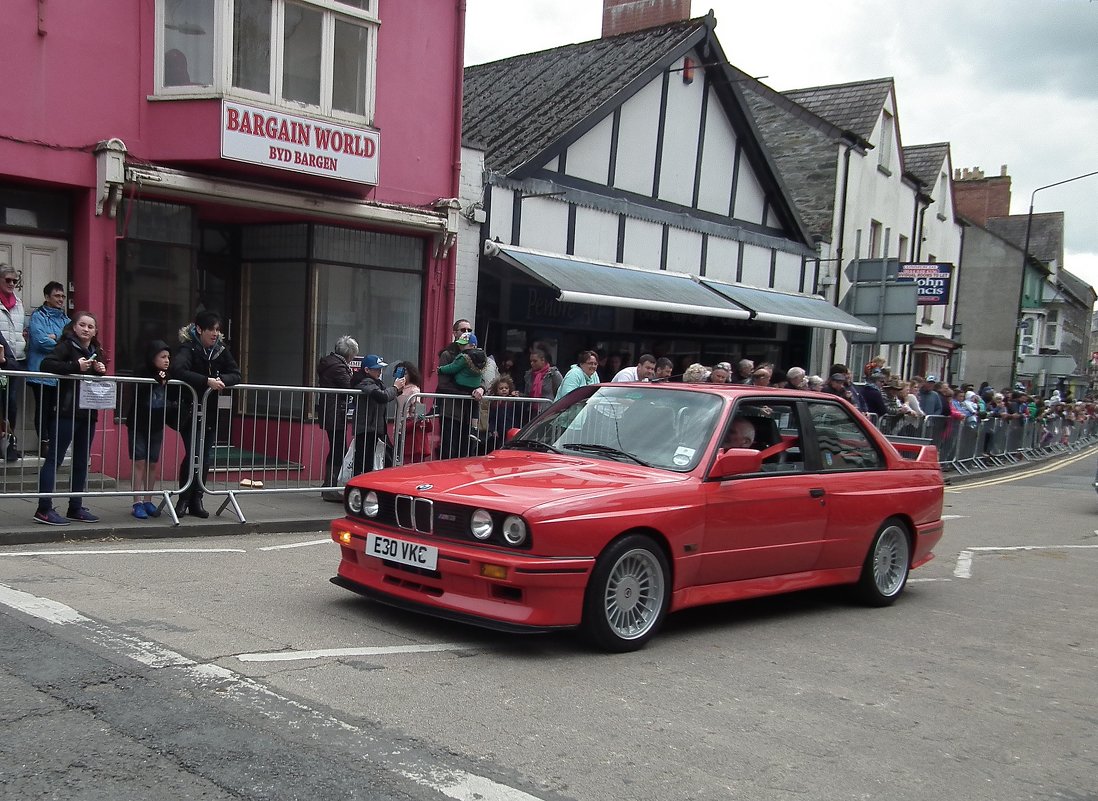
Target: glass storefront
286	291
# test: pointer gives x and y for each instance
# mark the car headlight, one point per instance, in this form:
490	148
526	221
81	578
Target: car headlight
514	530
480	524
354	500
370	504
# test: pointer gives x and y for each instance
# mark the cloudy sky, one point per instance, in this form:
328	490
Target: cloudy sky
1011	82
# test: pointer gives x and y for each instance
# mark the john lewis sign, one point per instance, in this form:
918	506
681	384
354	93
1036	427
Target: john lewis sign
291	142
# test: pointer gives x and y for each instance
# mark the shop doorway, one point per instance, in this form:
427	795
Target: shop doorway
39	260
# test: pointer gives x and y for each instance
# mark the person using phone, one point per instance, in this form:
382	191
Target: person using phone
371	423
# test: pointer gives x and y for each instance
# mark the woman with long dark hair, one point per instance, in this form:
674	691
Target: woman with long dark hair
77	353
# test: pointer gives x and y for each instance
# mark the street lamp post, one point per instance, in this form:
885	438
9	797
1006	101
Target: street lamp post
1022	281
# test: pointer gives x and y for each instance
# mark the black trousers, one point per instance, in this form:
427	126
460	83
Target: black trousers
337	446
45	417
207	456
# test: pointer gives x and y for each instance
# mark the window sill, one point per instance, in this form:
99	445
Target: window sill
884	170
309	112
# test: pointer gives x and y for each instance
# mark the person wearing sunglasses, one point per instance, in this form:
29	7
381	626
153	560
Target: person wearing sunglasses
12	322
456	436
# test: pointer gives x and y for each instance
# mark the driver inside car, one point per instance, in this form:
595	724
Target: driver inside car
741	434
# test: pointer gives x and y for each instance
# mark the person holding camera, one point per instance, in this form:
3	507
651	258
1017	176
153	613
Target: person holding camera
78	353
371	424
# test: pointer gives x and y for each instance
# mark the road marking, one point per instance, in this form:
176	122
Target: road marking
469	787
914	580
953	517
991	482
41	608
963	568
122	550
296	544
454	783
379	650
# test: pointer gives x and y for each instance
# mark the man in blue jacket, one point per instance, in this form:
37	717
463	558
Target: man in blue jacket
43	334
929	399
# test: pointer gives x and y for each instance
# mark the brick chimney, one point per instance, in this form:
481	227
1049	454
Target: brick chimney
977	197
626	16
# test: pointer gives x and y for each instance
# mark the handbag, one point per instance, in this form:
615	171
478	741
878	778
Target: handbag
97	395
381	454
347	470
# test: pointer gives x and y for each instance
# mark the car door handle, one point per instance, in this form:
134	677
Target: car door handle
816	492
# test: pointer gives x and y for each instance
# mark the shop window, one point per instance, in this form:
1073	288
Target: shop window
154	281
308	285
380	309
316	55
42	211
274	320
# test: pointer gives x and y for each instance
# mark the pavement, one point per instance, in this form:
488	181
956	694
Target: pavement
264	512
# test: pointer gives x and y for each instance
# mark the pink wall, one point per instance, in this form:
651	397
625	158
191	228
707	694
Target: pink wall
88	77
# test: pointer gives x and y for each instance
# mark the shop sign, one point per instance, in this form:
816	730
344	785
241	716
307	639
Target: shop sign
304	145
932	281
539	305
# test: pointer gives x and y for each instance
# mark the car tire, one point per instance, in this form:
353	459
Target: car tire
627	597
886	566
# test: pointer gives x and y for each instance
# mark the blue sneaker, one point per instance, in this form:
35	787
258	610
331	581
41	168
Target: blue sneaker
50	518
83	514
151	509
139	511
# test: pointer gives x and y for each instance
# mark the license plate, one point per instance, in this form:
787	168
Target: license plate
402	551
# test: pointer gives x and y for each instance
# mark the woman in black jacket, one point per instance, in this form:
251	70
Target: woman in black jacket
334	371
78	353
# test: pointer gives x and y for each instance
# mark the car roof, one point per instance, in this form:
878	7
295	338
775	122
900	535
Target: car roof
721	389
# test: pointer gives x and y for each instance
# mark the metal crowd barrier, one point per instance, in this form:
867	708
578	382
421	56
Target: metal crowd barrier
270	438
430	426
967	446
100	416
254	439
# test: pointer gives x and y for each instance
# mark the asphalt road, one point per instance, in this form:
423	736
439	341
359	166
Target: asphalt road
231	668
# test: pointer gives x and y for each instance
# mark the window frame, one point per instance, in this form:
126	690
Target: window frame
809	430
223	14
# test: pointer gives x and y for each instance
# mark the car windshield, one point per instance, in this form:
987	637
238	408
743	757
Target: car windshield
663	428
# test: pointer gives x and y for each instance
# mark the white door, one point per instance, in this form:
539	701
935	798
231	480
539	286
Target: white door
39	260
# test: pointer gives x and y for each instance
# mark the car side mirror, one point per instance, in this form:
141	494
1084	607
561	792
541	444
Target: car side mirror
511	434
735	462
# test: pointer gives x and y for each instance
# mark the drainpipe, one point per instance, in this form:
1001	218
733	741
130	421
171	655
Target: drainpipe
438	325
918	225
839	249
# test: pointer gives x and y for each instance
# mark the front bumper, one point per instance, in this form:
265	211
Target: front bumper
538	593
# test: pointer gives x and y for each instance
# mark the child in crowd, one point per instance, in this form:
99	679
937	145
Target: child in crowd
145	426
467	368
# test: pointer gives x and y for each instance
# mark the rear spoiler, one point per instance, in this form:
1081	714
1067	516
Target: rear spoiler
916	449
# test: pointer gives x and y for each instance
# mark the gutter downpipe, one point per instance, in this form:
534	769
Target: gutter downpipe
839	249
918	226
439	322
